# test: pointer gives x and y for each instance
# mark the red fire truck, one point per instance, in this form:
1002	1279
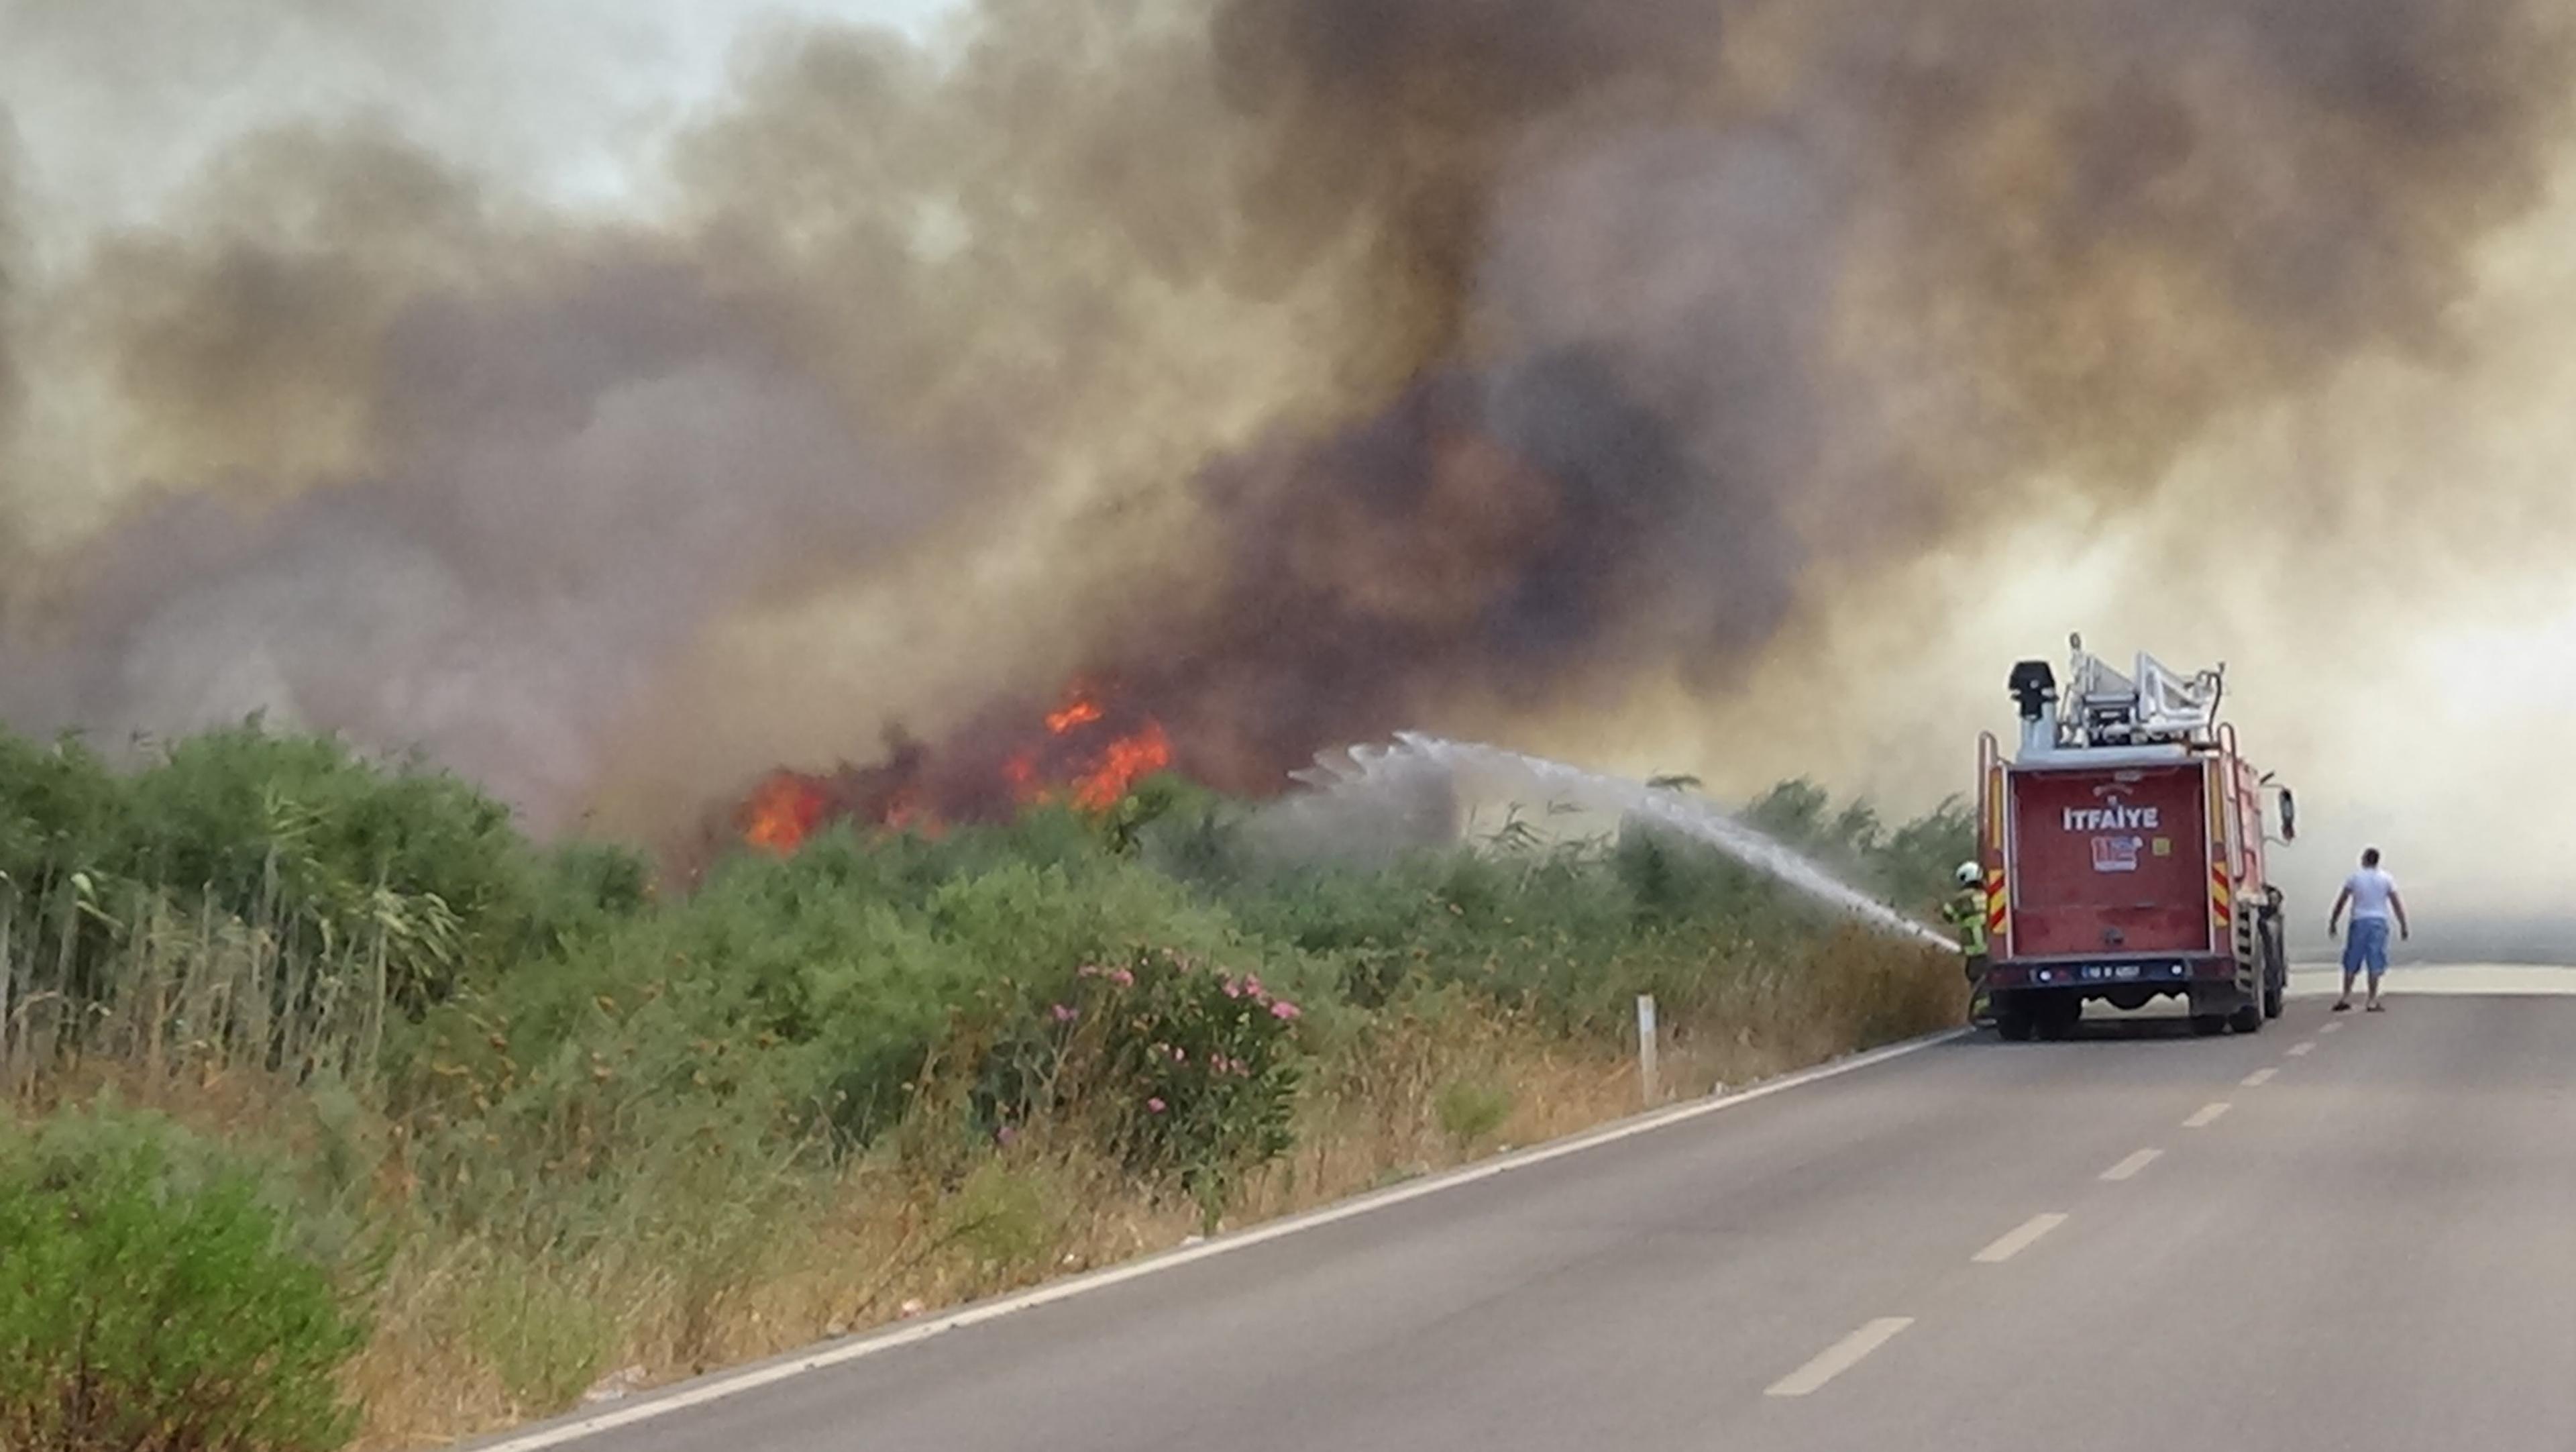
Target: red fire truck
2124	853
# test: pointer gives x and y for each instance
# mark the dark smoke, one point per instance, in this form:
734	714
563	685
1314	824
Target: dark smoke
1589	338
1515	532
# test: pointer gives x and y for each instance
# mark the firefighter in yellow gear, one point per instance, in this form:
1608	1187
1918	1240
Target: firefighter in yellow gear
1966	914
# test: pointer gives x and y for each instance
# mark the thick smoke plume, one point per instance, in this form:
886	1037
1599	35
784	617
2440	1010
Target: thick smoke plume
1306	369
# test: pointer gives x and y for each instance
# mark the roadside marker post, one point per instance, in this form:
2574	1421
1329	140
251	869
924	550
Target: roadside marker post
1646	1048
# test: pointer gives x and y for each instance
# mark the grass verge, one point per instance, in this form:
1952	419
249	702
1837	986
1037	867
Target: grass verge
589	1140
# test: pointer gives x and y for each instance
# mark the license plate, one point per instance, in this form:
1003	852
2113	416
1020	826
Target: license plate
2113	972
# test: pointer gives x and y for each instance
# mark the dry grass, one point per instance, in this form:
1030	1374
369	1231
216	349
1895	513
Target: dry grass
896	1236
888	1241
473	1334
569	1194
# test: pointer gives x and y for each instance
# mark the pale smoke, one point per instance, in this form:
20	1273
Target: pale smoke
597	473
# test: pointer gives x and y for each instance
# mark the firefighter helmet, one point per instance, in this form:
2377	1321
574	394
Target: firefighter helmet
1966	875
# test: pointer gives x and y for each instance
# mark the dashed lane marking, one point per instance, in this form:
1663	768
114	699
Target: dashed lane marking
1840	1357
2019	1240
2129	1167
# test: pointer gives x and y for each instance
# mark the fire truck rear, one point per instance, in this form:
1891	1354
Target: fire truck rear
2124	853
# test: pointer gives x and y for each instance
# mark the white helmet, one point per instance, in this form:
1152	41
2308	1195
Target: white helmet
1967	874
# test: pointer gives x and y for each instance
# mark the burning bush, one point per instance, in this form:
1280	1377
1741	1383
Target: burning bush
1088	753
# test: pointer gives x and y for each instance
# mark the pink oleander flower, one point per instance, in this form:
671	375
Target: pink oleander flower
1284	1010
1065	1013
1233	989
1122	978
1154	1106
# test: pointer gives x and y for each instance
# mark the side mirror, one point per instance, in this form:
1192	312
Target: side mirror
2289	816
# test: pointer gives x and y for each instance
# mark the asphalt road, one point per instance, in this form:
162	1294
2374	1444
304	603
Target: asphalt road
2349	1232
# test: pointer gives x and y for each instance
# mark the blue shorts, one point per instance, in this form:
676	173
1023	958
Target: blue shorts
2365	945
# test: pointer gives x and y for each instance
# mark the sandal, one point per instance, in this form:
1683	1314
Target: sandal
2375	1008
2344	1007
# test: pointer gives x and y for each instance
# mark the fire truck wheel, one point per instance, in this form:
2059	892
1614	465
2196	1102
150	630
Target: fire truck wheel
2206	1024
2059	1016
2015	1022
2247	1020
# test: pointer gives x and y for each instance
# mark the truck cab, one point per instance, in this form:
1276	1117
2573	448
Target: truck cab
2124	846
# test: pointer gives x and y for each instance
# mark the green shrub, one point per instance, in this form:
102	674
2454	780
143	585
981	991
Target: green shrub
1197	1064
299	834
545	1341
1001	1214
150	1298
1470	1110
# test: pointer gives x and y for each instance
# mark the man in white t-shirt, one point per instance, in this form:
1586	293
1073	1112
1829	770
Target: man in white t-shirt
2372	896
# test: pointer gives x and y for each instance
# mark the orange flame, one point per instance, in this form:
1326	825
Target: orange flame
1125	762
908	813
1099	776
1080	711
782	813
1093	754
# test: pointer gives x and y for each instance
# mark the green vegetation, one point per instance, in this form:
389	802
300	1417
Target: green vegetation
150	1297
593	1129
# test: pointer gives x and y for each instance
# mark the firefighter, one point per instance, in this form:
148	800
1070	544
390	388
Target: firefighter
1966	914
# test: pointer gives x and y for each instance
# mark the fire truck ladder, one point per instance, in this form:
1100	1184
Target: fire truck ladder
2155	706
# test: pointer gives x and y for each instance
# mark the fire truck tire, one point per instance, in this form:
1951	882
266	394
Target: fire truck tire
2274	1000
2208	1024
2015	1021
2058	1017
2247	1020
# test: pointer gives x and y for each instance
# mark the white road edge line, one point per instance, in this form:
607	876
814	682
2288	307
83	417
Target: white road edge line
2303	1048
1840	1357
2130	1166
2019	1240
2207	1116
795	1364
2258	1078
